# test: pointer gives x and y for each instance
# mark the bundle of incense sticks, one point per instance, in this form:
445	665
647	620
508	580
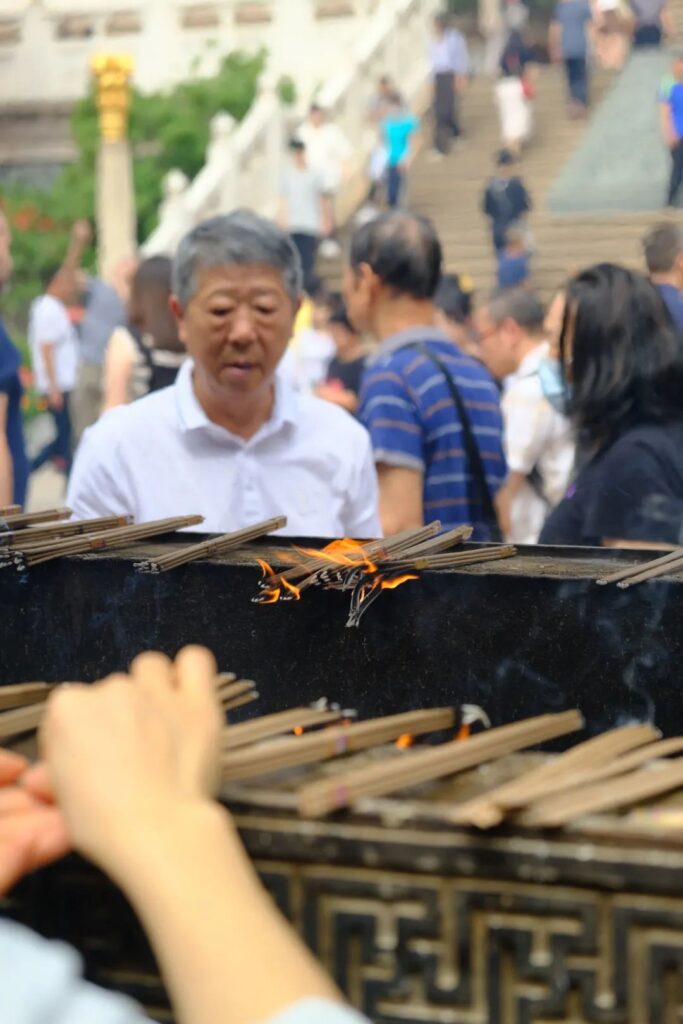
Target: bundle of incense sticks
20	520
215	546
295	720
311	565
37	536
319	798
10	510
366	570
26	702
266	758
625	578
119	537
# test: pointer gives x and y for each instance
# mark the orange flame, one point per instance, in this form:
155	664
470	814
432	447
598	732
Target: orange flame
404	742
397	581
298	730
271	595
346	552
463	733
290	588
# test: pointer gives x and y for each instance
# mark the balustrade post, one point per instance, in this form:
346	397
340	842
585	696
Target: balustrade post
275	137
221	155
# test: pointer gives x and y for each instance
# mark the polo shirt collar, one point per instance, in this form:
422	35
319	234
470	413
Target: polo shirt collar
191	415
409	336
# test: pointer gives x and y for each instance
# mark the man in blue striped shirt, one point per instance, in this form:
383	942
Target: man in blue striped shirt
433	413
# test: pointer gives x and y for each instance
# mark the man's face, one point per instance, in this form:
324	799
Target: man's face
678	69
495	345
5	250
236	327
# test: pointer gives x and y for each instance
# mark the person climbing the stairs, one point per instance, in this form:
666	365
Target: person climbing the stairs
671	118
568	44
506	200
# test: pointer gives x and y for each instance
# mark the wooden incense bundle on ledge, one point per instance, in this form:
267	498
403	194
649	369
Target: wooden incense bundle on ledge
109	539
644	571
367	570
40	536
208	548
22	706
20	521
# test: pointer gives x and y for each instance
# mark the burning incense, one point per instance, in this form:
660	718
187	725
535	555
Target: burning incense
417	766
334	742
216	546
277	724
338	555
10	510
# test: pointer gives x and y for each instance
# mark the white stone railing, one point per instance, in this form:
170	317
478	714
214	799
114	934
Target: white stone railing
46	45
245	162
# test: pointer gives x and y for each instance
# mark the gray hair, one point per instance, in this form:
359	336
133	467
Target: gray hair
520	305
241	238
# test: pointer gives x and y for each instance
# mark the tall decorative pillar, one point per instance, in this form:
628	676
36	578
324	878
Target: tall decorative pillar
115	191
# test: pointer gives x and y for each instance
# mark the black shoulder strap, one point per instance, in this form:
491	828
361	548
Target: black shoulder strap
469	444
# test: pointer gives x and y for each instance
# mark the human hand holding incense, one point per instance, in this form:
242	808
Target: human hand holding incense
32	831
129	761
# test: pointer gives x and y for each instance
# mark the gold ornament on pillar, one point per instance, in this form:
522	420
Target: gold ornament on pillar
112	73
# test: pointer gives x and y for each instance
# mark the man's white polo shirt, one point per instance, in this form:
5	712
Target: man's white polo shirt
161	456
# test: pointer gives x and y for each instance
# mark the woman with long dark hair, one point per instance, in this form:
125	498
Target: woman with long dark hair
620	378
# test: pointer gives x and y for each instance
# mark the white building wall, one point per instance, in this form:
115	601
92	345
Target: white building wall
46	45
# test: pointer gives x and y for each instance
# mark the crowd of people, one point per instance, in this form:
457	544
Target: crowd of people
229	392
231	381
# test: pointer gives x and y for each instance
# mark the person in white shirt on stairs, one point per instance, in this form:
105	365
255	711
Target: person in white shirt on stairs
328	152
54	349
538	440
231	440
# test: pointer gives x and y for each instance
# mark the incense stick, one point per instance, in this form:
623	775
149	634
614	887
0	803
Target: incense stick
23	520
344	739
23	694
652	573
583	761
218	545
377	549
25	719
10	510
120	537
277	724
38	536
636	570
629	789
417	766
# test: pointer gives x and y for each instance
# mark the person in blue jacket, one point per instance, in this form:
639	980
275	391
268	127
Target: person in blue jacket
14	468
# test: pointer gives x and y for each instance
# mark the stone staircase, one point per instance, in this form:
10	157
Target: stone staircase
450	191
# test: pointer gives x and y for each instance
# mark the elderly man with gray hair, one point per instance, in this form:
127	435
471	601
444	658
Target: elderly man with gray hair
230	439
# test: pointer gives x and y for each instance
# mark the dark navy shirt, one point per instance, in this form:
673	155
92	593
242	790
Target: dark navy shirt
10	385
408	409
632	491
673	297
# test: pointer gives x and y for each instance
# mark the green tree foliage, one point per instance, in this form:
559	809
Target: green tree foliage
167	130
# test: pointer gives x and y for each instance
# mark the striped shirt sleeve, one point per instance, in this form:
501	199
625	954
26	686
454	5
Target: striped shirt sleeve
392	419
